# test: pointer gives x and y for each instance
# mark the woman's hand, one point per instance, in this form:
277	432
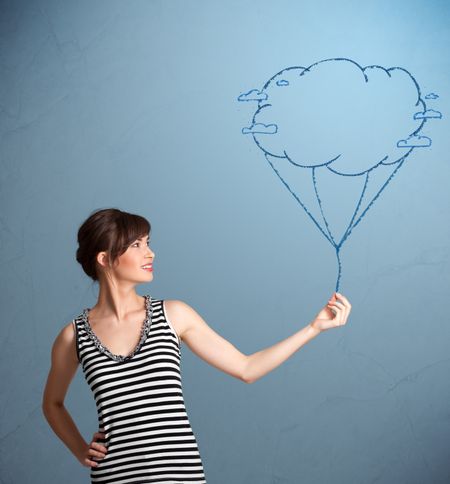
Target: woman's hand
94	449
334	314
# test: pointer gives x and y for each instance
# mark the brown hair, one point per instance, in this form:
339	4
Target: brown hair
111	230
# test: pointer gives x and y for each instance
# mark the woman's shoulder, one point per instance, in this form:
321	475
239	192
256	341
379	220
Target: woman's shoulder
64	342
175	311
68	332
175	306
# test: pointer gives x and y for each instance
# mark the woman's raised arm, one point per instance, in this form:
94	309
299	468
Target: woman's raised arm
220	353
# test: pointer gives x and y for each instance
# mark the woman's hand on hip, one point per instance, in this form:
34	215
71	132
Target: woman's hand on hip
93	451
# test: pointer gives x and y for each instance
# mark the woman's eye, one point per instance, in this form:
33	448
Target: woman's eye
137	243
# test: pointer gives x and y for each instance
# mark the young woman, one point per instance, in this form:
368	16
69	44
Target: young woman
129	350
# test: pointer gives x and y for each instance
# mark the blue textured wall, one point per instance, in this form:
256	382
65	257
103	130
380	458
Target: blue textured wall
134	105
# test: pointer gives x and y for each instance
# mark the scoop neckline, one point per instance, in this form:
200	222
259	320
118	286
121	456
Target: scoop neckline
146	324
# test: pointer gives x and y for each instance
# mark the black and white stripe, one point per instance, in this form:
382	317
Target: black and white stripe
141	408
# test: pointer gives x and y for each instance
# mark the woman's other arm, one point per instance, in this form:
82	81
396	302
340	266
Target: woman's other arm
64	363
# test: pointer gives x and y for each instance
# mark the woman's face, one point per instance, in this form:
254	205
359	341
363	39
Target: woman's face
130	265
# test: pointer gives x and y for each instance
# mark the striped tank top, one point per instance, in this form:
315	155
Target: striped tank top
140	405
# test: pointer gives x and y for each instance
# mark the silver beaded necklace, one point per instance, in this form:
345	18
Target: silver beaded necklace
143	335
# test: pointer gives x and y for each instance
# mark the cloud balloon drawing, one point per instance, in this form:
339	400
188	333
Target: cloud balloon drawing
335	133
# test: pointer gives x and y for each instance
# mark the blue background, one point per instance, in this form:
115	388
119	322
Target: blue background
134	105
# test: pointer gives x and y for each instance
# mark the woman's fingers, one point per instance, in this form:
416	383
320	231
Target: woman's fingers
339	310
344	299
90	463
337	303
336	306
348	306
341	299
98	436
340	307
98	450
89	459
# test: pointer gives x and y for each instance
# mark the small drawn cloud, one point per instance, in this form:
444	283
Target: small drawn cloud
414	142
429	113
261	129
282	82
253	95
432	95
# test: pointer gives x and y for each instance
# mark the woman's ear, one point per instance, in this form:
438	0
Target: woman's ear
102	259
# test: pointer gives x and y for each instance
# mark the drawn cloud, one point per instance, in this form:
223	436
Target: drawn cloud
343	103
414	142
432	95
253	95
261	129
429	113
